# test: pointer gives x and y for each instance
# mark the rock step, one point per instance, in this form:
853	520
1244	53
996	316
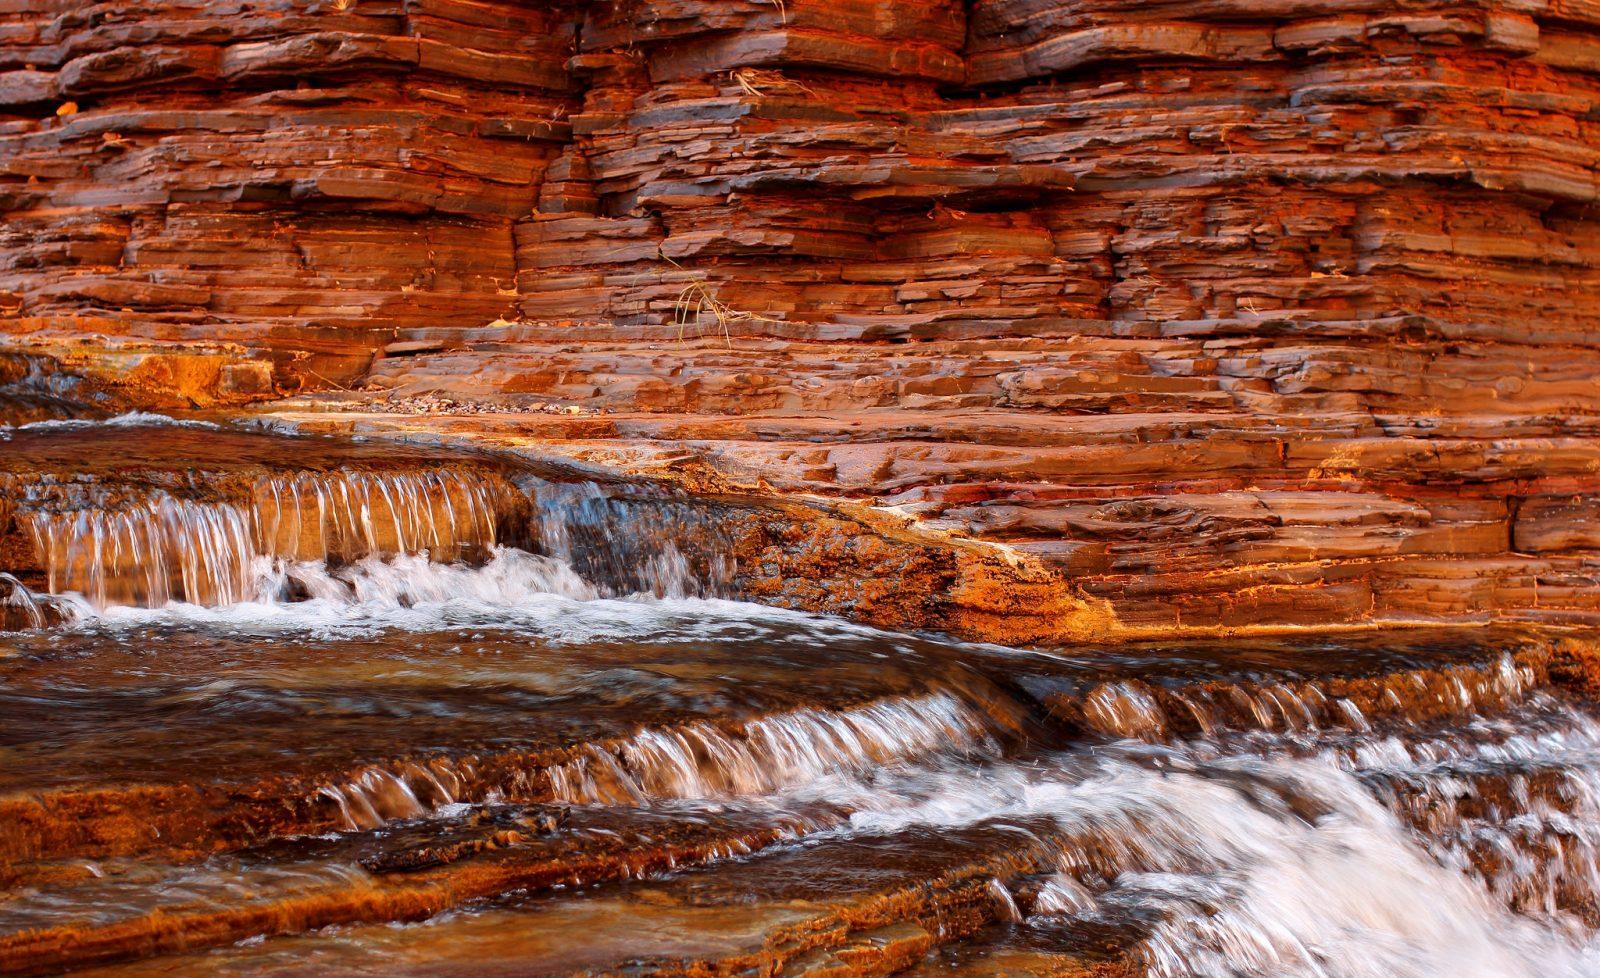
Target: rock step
139	511
1167	522
721	758
1404	696
491	715
1290	381
1027	951
859	907
303	885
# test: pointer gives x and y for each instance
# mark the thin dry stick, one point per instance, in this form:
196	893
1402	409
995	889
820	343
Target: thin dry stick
760	84
695	301
699	298
329	381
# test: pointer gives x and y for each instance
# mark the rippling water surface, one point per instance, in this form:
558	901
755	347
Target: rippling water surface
427	715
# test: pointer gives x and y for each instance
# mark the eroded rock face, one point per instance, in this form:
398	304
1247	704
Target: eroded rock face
1244	313
300	179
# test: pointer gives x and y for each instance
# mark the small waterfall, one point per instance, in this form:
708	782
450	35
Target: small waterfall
20	608
1519	809
1301	840
1124	709
34	389
1231	866
376	795
163	550
693	761
1421	814
446	513
317	534
1147	711
788	750
509	579
637	543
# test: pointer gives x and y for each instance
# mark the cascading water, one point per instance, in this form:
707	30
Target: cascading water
19	607
703	761
444	513
1263	855
635	544
161	551
692	761
365	537
445	716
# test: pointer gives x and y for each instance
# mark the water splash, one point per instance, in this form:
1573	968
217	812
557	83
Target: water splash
128	419
1247	866
376	795
761	756
1345	894
699	761
638	542
1336	827
327	536
1422	851
162	549
1515	805
20	608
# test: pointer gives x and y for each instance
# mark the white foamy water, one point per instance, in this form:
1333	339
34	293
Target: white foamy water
513	590
1290	840
343	552
129	419
703	761
19	604
785	750
1240	865
159	549
1519	808
1253	866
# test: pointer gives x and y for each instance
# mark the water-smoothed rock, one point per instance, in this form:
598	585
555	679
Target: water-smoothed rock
408	716
1082	857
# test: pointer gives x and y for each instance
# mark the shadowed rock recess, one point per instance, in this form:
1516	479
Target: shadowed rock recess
1043	318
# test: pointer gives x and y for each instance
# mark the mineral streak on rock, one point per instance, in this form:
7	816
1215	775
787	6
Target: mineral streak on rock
1234	312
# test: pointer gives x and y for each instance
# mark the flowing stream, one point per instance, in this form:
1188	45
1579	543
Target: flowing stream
273	706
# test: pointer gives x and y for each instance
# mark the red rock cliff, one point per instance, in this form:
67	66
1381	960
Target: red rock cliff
1238	311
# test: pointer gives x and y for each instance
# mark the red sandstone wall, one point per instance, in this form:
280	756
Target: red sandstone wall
1260	310
301	177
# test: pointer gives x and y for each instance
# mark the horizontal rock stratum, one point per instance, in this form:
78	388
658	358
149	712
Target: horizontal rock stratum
1221	313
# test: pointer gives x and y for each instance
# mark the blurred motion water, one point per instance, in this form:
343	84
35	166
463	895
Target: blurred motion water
289	707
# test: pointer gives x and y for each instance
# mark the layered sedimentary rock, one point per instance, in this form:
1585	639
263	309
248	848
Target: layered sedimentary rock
287	176
1244	313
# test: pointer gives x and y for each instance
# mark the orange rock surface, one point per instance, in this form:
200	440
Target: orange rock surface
1246	313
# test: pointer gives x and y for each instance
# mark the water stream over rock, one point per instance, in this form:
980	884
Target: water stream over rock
276	706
